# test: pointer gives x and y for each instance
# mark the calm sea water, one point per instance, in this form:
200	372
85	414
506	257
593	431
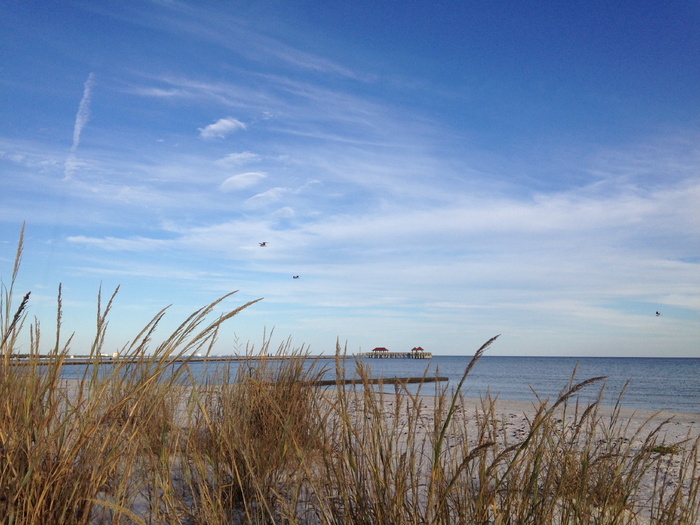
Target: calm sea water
654	383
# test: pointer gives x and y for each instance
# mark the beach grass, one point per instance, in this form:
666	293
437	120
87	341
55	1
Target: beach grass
147	441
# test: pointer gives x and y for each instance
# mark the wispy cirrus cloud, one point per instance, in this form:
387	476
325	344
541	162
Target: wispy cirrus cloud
229	30
277	194
298	105
190	89
81	119
267	197
237	159
221	128
29	156
137	244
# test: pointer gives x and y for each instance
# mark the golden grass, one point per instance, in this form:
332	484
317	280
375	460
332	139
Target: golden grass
152	443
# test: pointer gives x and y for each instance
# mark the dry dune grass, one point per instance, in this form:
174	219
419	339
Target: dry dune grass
149	442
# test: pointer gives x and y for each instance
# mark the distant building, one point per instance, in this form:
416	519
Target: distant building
417	349
380	349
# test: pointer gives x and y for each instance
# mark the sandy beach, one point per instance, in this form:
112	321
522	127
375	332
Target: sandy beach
396	423
672	431
680	427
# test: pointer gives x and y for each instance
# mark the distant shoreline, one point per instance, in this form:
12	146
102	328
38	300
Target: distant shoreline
26	359
106	359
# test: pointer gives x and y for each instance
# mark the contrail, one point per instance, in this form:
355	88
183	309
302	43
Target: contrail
83	114
81	118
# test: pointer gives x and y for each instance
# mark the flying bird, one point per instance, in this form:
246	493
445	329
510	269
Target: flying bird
658	314
263	244
295	277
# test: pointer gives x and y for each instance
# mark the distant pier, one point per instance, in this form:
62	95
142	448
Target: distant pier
381	352
374	354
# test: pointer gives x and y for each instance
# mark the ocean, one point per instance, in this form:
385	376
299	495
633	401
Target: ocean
671	384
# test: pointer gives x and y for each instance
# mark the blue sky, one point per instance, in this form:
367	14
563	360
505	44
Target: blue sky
435	172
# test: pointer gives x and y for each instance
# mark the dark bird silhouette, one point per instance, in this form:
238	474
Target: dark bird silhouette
295	277
658	314
263	244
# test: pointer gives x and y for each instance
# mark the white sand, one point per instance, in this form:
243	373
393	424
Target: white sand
681	429
678	428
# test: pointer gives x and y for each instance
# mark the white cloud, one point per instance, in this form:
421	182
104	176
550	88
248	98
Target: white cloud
221	128
237	159
688	300
267	197
70	166
242	180
136	244
158	92
284	213
30	159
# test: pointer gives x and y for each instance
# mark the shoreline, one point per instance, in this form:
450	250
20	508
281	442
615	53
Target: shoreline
522	409
106	359
680	426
